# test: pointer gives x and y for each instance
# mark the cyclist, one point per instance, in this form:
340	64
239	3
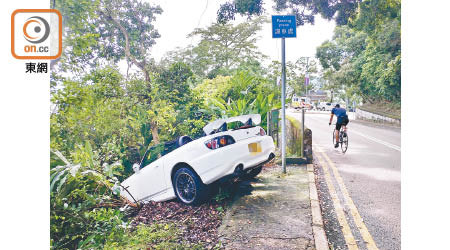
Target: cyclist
342	120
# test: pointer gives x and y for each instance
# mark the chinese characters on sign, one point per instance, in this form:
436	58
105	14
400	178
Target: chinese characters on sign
32	67
283	26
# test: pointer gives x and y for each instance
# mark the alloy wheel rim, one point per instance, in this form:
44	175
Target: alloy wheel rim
185	187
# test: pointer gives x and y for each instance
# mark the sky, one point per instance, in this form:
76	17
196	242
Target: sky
181	17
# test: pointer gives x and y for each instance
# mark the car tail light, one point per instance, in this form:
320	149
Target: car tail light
262	132
220	141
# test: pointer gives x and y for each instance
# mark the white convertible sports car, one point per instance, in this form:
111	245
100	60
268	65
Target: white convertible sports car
233	147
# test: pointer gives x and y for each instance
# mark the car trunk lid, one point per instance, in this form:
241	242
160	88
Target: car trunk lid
245	133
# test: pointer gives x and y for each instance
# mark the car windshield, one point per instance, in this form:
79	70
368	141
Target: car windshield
157	151
152	154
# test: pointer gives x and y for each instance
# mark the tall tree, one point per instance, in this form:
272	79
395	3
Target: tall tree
175	83
364	57
222	48
110	30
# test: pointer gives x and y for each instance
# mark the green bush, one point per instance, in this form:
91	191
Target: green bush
85	202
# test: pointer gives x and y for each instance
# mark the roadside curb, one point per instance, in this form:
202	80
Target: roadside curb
320	239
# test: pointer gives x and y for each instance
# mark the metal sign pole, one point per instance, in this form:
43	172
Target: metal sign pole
303	131
282	27
307	76
283	106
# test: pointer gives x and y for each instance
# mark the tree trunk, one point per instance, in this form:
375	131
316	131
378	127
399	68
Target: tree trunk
154	129
141	65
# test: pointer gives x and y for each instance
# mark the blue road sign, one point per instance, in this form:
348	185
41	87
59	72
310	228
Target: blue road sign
283	26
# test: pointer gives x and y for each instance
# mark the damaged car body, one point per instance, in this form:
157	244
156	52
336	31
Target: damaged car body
183	168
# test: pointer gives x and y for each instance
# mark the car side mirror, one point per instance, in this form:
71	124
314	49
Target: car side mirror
136	168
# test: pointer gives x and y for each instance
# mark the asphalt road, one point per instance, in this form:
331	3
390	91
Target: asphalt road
366	178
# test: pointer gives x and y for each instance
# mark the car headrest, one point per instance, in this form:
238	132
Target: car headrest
184	140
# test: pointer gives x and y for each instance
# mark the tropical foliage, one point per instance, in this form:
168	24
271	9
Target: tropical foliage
85	201
104	116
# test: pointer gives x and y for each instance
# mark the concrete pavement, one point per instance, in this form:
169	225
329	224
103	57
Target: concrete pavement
274	212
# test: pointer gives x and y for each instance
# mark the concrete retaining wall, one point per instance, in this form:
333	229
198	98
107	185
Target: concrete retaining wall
298	146
294	138
366	115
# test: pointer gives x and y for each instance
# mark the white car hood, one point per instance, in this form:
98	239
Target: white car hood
256	119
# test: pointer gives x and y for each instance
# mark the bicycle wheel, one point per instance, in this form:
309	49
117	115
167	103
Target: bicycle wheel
334	137
344	143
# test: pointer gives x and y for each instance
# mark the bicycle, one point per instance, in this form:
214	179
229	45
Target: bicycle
343	139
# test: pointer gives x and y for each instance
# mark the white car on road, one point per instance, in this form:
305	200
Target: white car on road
184	167
326	106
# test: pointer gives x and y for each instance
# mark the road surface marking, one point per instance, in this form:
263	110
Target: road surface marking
387	144
370	243
348	236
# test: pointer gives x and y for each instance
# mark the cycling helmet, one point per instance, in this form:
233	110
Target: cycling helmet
337	106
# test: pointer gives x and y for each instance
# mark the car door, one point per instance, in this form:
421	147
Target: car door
150	180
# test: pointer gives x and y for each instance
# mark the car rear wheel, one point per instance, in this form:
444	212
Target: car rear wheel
188	186
252	173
